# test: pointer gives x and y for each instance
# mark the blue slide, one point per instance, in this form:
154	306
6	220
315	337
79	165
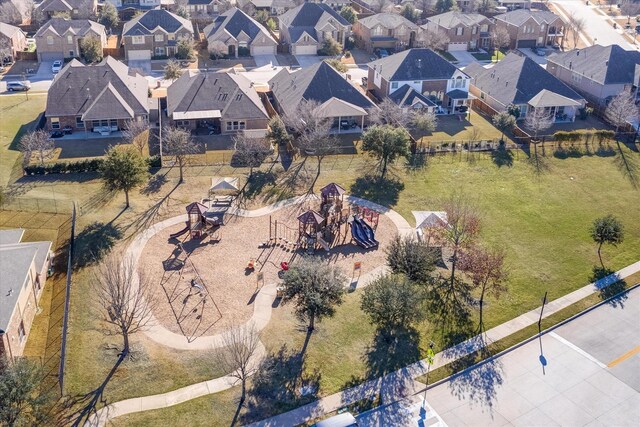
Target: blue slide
368	231
359	235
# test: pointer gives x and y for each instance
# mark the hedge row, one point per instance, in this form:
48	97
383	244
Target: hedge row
577	135
92	165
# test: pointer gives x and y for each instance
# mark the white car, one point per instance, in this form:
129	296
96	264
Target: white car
56	67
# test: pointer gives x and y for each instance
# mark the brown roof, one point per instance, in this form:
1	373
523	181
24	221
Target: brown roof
311	217
332	189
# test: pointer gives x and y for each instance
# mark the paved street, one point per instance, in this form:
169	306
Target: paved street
596	26
586	372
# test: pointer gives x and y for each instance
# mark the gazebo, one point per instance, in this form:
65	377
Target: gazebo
224	186
310	220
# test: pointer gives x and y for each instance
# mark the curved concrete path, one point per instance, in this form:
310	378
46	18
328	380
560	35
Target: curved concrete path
260	318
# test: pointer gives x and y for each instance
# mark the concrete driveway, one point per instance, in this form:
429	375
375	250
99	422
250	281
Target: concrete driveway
140	64
464	58
262	60
44	71
309	60
540	60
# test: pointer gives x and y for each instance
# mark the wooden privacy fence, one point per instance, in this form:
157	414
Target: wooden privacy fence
26	56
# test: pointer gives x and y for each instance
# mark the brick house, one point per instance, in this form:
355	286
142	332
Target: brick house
241	34
427	73
12	40
96	98
466	31
60	38
154	33
216	102
306	27
24	268
385	31
76	9
532	28
598	72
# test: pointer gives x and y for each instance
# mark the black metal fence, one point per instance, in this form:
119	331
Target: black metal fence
65	321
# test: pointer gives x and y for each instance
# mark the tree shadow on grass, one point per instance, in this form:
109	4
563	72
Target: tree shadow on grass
384	191
280	383
148	217
629	166
94	242
502	157
258	182
609	285
154	185
538	161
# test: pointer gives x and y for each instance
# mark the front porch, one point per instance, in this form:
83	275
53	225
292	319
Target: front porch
561	108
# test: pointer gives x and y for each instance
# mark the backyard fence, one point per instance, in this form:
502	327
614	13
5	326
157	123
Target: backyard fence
34	204
65	319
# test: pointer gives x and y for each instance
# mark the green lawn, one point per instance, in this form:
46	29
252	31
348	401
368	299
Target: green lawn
493	56
17	116
452	128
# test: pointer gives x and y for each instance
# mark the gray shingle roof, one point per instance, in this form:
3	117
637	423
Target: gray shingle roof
154	18
77	26
61	5
235	21
405	96
309	14
8	237
77	87
414	64
520	16
232	94
455	18
319	82
387	20
8	30
517	79
604	64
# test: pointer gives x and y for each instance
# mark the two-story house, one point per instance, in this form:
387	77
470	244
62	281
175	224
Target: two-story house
466	31
306	27
223	102
24	267
203	7
241	34
75	9
385	31
515	4
12	40
154	33
532	28
520	82
427	73
598	72
96	98
60	38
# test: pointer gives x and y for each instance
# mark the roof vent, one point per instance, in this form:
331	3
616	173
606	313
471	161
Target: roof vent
570	65
578	52
506	84
10	292
606	63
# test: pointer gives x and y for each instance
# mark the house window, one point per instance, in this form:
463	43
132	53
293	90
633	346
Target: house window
576	77
55	123
159	37
542	27
236	125
242	44
400	31
69	39
21	332
459	82
394	85
474	30
79	122
113	123
481	95
305	38
484	28
159	51
171	36
49	40
377	31
459	31
138	39
182	123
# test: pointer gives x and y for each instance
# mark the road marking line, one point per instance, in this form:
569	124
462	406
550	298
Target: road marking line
577	349
624	357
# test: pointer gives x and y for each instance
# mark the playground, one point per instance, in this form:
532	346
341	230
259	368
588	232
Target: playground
209	269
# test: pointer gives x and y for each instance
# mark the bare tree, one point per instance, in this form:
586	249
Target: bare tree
433	39
9	14
424	120
5	48
630	8
622	109
132	134
389	113
124	295
38	143
238	357
576	27
378	6
537	121
500	38
250	152
311	129
217	49
179	144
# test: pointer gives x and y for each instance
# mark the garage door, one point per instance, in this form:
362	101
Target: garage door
263	50
457	46
139	54
50	56
305	50
526	43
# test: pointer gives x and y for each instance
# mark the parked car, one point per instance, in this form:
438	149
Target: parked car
383	53
22	85
57	134
56	67
346	419
68	130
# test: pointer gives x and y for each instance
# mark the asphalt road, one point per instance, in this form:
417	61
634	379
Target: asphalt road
584	373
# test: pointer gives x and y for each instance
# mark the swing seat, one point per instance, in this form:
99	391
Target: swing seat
284	265
251	265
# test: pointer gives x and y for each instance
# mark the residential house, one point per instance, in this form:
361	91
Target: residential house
385	31
60	38
96	98
427	73
519	81
514	4
338	98
203	7
12	40
216	102
306	27
75	9
336	5
155	33
135	4
532	28
241	34
466	31
25	267
273	7
598	72
377	6
410	99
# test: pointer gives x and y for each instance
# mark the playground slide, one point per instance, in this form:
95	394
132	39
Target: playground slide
368	231
180	233
358	235
322	242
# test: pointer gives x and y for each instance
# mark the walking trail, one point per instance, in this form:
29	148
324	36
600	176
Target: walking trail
391	387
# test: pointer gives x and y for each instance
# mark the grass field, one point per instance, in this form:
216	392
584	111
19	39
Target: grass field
18	115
